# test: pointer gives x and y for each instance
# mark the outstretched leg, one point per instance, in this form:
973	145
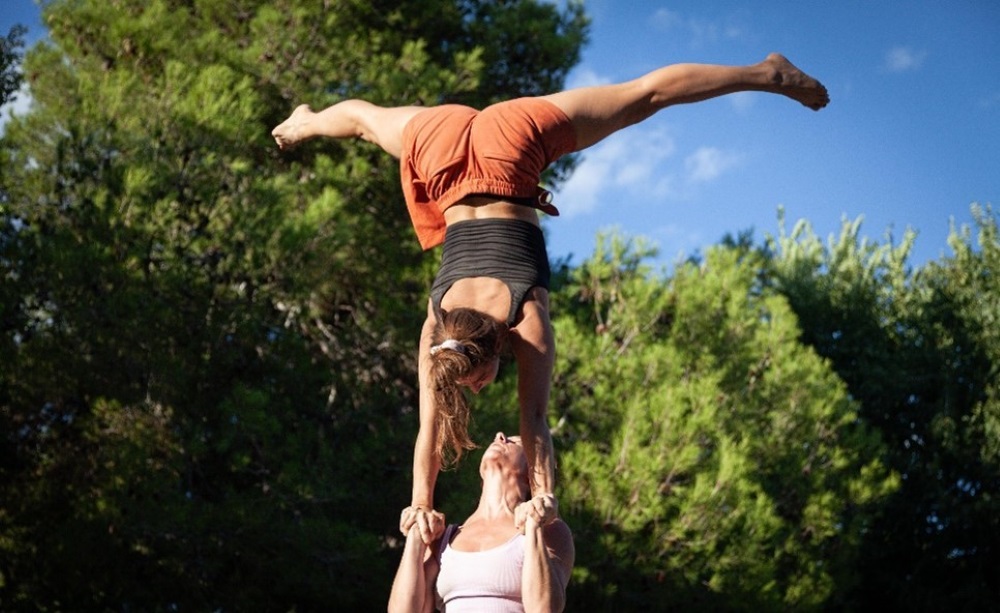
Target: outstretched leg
347	119
597	112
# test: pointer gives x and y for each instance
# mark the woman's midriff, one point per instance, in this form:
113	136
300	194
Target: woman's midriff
488	207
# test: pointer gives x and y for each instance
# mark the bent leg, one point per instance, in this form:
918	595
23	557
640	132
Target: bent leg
597	112
348	119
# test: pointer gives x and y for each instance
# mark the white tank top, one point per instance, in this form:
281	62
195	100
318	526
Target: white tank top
482	581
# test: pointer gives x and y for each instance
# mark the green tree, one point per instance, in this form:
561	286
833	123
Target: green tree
714	462
10	58
918	350
207	393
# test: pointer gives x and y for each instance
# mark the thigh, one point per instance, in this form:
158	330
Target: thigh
384	125
597	112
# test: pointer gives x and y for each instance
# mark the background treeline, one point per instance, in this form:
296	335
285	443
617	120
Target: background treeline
207	348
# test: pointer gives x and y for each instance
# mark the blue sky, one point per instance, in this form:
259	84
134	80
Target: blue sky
910	138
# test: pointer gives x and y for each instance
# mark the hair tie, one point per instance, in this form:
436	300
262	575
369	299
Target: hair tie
448	344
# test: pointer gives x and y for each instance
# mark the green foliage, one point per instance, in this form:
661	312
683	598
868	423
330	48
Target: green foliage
714	450
207	390
208	380
968	289
918	350
10	56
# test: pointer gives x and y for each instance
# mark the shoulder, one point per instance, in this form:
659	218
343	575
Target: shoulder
533	327
558	541
534	308
537	299
558	530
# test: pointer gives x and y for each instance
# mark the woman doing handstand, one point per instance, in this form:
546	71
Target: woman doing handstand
471	180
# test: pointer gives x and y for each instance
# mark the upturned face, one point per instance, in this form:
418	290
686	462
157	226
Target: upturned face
507	454
508	446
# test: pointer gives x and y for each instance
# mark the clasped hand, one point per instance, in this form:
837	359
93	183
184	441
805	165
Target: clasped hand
428	522
543	509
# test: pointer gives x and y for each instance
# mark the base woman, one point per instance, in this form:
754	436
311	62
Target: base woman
486	564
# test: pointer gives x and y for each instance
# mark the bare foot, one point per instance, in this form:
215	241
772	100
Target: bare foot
797	85
291	131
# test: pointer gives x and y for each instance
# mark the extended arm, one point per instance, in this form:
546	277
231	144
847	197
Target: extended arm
413	587
533	344
426	461
548	561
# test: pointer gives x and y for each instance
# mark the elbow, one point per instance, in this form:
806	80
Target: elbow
399	607
397	603
532	408
404	603
536	416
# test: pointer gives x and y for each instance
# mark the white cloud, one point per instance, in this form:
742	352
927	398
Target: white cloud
741	101
585	77
700	31
903	59
681	240
990	101
19	106
708	163
665	19
627	165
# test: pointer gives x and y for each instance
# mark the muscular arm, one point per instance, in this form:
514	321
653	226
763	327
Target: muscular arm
426	461
413	587
548	561
533	345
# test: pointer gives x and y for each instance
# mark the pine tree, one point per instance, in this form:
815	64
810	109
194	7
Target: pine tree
918	350
208	385
718	462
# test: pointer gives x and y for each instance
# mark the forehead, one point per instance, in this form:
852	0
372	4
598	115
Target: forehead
481	371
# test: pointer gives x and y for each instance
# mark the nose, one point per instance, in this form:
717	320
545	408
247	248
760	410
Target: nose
500	438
